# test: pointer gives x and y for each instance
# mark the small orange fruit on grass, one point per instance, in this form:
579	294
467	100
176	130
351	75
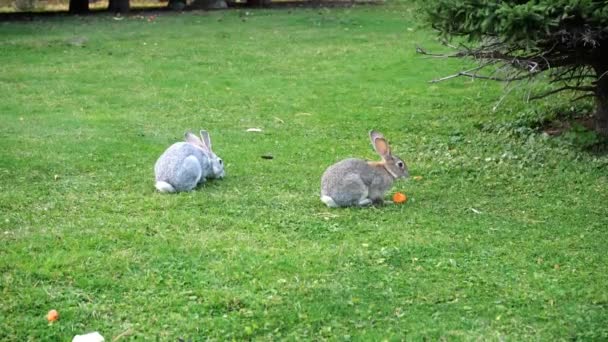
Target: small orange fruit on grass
399	197
52	316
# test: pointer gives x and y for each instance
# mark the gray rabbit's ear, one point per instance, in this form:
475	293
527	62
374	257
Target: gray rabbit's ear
380	144
194	140
206	138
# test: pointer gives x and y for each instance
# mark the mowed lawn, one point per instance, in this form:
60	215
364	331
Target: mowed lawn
503	238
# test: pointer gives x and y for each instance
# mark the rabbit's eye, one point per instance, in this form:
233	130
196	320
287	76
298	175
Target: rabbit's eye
221	162
400	164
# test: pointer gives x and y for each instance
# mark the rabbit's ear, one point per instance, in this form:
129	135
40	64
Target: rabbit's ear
380	144
194	140
206	138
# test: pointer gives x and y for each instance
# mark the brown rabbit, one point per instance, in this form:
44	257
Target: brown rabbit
358	182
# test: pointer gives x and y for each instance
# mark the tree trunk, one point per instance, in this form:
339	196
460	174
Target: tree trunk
601	100
209	4
176	5
258	3
119	6
79	6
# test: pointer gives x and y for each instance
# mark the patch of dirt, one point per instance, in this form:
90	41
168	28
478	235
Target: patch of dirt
559	126
585	137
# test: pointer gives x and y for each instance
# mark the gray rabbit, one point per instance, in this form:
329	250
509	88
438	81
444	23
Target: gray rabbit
184	165
358	182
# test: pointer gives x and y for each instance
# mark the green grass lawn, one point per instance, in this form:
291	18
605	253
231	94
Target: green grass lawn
504	235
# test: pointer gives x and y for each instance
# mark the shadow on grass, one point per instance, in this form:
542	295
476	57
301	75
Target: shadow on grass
573	128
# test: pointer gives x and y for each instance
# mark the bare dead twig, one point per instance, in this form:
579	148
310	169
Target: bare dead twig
422	51
123	334
554	91
468	73
602	75
461	73
584	96
502	98
500	79
515	62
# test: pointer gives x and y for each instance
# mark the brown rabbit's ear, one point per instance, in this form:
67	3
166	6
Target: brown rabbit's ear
206	138
380	144
194	140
